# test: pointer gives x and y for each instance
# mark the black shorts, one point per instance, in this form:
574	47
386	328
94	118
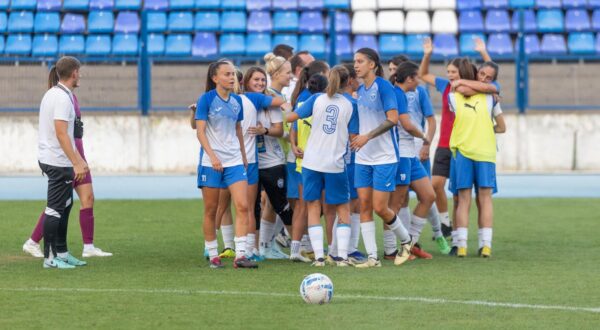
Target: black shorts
60	188
273	181
441	162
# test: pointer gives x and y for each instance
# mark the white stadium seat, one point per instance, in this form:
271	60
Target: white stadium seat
416	5
442	4
364	22
390	21
364	5
444	21
390	4
417	22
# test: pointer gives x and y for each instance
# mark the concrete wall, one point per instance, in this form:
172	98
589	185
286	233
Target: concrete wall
164	143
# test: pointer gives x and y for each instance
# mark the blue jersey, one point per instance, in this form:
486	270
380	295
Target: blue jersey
252	104
373	104
221	118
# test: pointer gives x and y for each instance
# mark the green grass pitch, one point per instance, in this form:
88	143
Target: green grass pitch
546	253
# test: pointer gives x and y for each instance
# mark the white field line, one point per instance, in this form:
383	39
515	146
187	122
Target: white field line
339	296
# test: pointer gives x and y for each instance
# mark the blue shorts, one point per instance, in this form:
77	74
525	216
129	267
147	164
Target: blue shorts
293	180
350	173
409	170
379	177
207	177
335	185
427	166
466	173
252	173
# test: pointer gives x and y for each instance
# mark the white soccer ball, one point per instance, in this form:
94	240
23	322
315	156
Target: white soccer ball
316	289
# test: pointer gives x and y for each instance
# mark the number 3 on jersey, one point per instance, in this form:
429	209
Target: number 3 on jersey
331	119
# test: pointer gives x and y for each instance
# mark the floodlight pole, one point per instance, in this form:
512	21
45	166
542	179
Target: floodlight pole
144	89
333	60
522	83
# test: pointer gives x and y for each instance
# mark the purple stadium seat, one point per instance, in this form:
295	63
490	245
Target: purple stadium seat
445	45
470	21
468	5
73	23
553	44
311	22
311	5
575	4
343	48
259	21
548	4
156	5
500	44
530	22
596	20
256	5
127	22
577	20
364	40
495	4
285	5
205	45
532	44
497	21
342	22
102	4
598	43
49	5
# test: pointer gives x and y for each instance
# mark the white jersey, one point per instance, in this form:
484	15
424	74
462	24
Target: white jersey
333	120
272	154
57	104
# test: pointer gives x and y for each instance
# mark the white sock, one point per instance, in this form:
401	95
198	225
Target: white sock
480	237
316	240
486	237
88	247
240	246
368	234
454	238
463	234
355	234
306	244
250	243
213	248
278	227
266	233
63	255
416	227
400	231
227	233
434	220
295	248
389	242
343	236
404	215
444	217
333	248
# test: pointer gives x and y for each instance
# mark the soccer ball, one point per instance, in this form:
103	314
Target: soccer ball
316	289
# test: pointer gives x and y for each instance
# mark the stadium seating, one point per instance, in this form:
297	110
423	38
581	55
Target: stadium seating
127	22
125	44
259	21
364	40
311	22
1	44
48	5
75	5
255	5
233	4
390	4
285	21
73	23
46	22
468	5
577	20
19	22
364	5
414	44
156	44
157	21
442	4
343	45
18	44
4	4
467	43
532	44
417	22
181	4
445	45
495	4
342	22
522	3
553	44
3	22
310	5
285	5
128	4
207	21
548	4
550	20
98	45
470	21
208	4
581	43
205	45
314	43
72	44
101	5
233	21
364	22
180	21
497	21
390	21
500	44
44	45
337	4
23	5
161	5
391	44
258	44
232	44
444	21
416	5
287	39
575	4
101	22
530	24
178	45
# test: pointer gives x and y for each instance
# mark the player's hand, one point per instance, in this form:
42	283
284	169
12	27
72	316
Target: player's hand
424	153
358	142
216	164
287	107
479	45
257	130
298	152
427	46
456	83
192	107
80	169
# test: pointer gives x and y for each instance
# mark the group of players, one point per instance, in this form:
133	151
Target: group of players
296	141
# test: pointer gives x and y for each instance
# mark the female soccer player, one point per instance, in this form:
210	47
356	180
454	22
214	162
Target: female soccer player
222	158
84	190
334	118
376	155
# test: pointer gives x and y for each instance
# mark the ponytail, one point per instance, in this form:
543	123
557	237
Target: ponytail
307	72
52	77
338	79
317	84
404	71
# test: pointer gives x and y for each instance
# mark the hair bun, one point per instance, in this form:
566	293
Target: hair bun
269	57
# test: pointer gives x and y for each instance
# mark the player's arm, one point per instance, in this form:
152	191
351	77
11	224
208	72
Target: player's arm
201	134
240	136
425	149
294	143
500	126
424	67
408	126
472	87
482	50
390	121
80	166
192	108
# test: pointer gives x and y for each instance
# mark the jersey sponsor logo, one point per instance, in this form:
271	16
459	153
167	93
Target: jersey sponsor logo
388	184
372	96
280	183
203	178
218	109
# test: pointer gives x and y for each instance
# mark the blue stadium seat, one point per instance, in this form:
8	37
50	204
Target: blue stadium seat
467	43
414	44
364	40
156	44
208	4
232	44
337	4
470	21
233	5
596	20
18	44
3	22
549	4
205	45
49	5
97	45
71	44
468	5
128	4
102	5
181	4
46	22
125	44
311	22
598	43
1	44
75	5
157	22
23	4
314	43
550	20
285	5
343	47
445	45
258	5
207	21
530	21
233	21
181	21
575	4
127	22
259	21
497	21
581	43
500	44
287	39
45	45
553	44
156	5
178	45
391	44
532	44
311	5
101	22
343	23
577	20
73	23
285	21
4	4
495	4
258	44
21	21
522	3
